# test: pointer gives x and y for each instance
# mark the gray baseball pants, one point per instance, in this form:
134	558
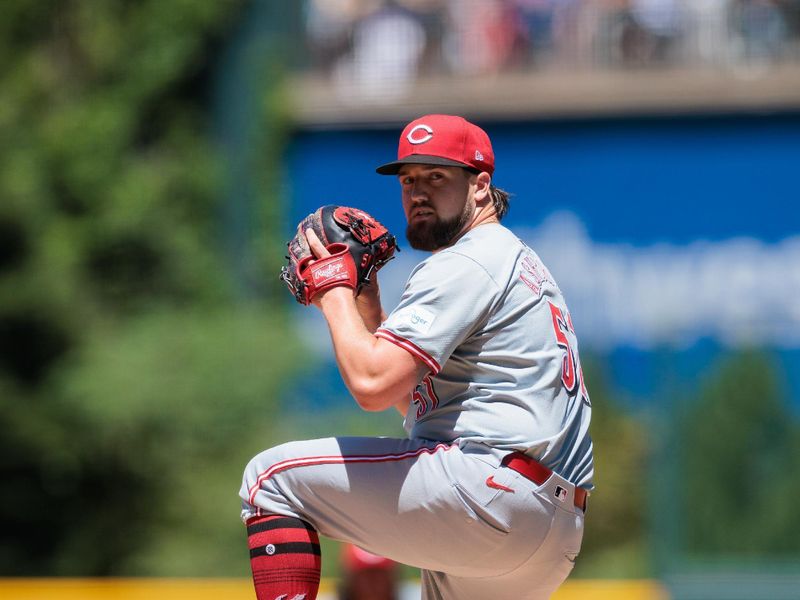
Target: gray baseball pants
476	529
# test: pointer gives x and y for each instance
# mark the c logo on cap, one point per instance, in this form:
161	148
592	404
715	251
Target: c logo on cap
414	138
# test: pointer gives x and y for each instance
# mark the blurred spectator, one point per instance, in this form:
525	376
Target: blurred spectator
761	30
487	36
387	45
569	39
431	14
614	34
367	576
658	24
538	18
377	48
329	27
707	32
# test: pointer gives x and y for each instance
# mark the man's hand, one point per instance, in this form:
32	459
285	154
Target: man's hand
319	251
368	301
350	247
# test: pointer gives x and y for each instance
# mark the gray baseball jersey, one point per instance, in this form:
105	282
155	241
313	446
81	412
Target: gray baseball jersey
501	373
489	322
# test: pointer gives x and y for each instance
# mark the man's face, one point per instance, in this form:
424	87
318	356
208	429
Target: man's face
438	203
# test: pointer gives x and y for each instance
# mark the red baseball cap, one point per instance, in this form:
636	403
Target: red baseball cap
442	140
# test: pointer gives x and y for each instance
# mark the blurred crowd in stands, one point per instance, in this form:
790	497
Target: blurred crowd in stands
355	40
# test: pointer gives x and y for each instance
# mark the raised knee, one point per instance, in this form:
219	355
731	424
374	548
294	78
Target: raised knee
260	491
258	468
261	469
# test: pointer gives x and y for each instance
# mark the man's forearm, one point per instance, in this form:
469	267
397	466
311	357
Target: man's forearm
368	304
353	343
373	369
372	318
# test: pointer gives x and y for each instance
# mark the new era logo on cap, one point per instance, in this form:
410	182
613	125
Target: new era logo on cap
442	140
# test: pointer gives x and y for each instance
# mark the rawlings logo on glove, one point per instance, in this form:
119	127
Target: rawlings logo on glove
331	271
359	246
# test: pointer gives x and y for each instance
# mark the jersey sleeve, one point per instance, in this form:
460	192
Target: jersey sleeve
446	298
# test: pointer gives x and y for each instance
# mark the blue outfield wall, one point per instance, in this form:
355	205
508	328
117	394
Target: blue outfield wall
675	239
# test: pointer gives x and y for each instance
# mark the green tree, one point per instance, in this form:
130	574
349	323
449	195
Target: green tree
133	384
615	539
740	464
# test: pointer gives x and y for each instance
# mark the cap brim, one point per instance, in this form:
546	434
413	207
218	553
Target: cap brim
393	168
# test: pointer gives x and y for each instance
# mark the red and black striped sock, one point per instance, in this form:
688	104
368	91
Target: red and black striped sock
285	558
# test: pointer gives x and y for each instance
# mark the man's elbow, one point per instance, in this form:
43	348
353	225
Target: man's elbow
372	404
374	395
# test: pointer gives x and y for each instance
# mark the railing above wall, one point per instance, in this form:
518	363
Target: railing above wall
317	102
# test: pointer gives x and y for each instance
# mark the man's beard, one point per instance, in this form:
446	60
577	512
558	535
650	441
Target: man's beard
439	233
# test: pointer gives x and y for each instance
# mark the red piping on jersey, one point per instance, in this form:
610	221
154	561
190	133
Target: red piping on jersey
310	461
411	348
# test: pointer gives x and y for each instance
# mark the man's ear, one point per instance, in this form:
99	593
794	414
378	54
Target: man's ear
483	183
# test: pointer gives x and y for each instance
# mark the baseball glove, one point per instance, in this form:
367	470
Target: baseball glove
359	246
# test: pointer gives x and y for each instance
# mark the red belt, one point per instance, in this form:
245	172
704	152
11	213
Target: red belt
538	474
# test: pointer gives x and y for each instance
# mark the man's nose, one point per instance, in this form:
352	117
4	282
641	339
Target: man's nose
418	193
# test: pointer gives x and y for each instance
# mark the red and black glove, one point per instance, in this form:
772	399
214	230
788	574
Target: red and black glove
359	246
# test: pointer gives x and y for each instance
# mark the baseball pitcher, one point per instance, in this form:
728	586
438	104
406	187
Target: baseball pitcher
487	494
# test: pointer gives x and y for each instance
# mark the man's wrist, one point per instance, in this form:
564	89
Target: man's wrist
334	295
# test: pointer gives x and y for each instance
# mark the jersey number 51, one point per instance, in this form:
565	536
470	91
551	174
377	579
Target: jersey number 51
571	370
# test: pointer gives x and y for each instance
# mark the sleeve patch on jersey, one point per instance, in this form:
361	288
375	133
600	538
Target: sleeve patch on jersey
416	318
